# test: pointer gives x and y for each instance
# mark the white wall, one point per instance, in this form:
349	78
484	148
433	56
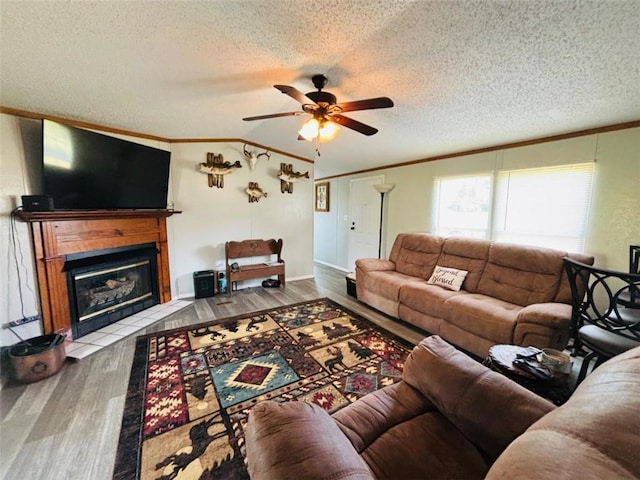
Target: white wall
615	212
196	237
330	228
614	222
16	303
212	216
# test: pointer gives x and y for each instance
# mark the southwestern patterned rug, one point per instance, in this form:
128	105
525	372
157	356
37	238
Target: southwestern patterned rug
191	389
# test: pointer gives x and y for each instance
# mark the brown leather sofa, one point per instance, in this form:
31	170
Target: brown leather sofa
451	417
512	294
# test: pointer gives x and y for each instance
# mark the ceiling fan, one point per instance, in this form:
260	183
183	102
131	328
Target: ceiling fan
326	112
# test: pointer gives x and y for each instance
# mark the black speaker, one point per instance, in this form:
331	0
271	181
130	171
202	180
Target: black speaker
37	203
204	283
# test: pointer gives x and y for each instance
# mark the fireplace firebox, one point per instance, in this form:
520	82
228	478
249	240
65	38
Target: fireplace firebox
105	286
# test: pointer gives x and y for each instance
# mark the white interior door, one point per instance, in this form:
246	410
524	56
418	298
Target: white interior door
364	219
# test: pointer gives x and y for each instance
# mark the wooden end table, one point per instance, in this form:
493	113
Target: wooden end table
500	359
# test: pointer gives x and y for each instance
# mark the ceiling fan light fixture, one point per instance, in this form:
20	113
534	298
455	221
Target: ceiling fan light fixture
328	131
309	130
324	130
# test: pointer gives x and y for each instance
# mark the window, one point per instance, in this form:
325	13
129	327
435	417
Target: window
462	206
546	207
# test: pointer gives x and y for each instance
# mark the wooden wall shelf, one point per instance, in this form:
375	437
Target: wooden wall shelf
60	233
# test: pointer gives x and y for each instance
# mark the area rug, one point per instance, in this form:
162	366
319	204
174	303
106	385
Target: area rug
191	389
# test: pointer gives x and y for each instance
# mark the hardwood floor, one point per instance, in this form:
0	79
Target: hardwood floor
67	426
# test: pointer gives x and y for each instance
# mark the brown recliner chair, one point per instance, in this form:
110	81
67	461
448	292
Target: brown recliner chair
451	417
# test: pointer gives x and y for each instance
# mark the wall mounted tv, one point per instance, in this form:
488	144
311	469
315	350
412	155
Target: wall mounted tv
84	170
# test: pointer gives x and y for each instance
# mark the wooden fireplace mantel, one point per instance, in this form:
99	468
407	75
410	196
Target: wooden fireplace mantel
59	233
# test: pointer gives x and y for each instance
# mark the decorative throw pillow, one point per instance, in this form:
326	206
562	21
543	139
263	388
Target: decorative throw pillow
449	278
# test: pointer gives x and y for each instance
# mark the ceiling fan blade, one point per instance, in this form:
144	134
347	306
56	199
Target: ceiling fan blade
294	93
272	115
353	124
368	104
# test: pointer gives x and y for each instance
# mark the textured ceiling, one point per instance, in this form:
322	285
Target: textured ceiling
462	74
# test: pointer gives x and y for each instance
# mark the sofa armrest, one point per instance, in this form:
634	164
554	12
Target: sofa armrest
364	421
374	265
552	315
543	325
487	407
299	440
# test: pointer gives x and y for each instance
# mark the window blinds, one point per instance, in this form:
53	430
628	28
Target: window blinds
548	207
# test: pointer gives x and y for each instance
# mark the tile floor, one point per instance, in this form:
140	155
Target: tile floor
99	339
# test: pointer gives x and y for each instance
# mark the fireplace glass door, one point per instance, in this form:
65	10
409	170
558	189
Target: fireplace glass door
108	288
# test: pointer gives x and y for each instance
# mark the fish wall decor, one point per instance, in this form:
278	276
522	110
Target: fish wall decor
288	177
254	192
216	168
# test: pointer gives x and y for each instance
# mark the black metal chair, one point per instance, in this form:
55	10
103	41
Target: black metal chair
603	324
631	298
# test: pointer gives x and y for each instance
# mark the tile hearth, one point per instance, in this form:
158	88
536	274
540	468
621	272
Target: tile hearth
105	336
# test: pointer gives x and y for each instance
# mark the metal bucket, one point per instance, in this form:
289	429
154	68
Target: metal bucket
37	358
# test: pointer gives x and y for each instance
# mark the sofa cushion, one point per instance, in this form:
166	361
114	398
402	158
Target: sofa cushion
416	254
449	278
484	316
427	446
468	254
522	275
564	291
469	342
427	299
385	283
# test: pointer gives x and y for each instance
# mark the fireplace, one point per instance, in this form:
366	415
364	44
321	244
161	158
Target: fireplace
105	286
68	240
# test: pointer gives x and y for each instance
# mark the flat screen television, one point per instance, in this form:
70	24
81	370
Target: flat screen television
84	170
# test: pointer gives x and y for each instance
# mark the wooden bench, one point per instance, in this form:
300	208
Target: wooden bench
254	248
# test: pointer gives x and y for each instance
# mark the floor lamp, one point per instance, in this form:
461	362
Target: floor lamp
382	188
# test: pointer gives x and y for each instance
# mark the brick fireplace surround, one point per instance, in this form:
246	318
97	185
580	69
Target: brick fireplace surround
60	233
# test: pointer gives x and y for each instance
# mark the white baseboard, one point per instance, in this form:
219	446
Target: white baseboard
330	265
302	277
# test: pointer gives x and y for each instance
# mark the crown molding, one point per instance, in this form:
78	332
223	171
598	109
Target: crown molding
92	126
77	123
524	143
504	146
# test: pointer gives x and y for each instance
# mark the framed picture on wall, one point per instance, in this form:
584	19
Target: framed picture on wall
322	197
